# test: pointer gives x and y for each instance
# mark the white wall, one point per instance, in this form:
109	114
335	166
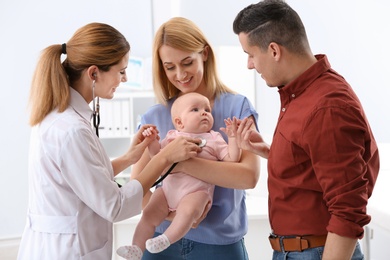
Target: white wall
352	33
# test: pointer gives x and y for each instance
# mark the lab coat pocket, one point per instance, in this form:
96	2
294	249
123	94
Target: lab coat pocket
53	224
50	237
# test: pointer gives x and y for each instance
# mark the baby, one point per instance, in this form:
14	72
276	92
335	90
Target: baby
191	198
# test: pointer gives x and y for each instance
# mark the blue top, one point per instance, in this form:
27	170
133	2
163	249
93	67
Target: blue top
226	222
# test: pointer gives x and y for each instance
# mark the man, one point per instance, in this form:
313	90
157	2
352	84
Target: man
323	161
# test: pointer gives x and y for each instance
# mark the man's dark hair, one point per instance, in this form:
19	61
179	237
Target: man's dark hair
272	21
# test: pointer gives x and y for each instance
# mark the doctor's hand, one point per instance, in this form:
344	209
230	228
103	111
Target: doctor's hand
134	153
180	149
140	141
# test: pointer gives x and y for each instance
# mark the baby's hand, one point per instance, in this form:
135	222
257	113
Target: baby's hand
150	132
231	127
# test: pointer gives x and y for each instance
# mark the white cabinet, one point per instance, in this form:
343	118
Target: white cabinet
119	119
377	233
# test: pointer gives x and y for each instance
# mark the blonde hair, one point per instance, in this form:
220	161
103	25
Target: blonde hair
93	44
182	34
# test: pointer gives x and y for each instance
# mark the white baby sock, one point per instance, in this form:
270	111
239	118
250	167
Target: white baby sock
130	252
157	244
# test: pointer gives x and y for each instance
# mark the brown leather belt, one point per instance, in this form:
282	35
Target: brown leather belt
295	243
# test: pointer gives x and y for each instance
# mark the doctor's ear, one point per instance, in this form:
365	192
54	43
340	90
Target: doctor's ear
92	72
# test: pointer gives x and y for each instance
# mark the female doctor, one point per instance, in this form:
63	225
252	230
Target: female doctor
73	198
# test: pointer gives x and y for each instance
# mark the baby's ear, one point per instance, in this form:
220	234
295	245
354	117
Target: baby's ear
178	123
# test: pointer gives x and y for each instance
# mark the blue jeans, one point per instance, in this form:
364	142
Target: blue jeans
190	250
312	254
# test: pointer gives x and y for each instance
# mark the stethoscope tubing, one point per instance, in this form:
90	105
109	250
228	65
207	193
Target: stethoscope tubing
165	174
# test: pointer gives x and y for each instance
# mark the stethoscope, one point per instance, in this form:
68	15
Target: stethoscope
96	113
201	144
96	109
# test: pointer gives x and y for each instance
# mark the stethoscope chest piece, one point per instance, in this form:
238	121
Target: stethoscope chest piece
202	143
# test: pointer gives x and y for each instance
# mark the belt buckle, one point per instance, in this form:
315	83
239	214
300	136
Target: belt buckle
288	243
275	242
272	235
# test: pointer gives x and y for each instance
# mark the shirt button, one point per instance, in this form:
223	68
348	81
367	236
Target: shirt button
293	95
283	109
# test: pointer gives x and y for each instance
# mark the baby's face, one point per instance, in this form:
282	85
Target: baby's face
195	114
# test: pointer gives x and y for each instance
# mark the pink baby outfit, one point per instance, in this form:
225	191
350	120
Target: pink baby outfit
177	185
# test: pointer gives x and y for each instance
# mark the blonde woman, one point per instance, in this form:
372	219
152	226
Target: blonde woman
183	62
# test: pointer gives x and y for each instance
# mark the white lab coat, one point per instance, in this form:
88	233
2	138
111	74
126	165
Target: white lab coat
73	199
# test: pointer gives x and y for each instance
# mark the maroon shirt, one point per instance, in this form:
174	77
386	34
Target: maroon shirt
324	160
